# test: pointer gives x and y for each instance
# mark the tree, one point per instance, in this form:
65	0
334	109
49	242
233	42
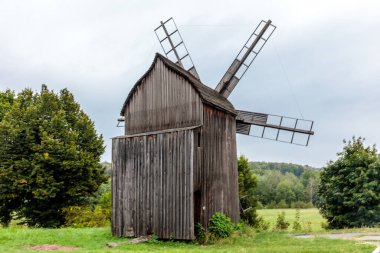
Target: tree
349	191
6	101
49	157
247	185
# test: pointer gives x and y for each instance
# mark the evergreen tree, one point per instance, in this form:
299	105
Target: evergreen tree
49	157
247	186
349	191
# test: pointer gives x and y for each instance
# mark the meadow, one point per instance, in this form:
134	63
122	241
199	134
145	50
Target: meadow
310	219
21	239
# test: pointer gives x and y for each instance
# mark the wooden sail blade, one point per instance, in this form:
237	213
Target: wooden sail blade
173	46
245	57
274	127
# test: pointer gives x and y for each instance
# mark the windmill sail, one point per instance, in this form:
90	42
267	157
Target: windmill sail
174	47
245	57
274	127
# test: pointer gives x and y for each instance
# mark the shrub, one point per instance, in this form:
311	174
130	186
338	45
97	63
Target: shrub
200	233
301	205
281	223
308	226
260	205
282	204
85	216
271	205
296	223
220	225
261	224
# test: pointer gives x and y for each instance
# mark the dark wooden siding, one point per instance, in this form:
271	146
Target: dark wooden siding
152	186
216	176
163	100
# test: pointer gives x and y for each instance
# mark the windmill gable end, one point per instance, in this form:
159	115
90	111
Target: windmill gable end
168	97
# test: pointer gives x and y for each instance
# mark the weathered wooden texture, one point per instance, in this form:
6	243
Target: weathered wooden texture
176	165
163	100
152	184
216	176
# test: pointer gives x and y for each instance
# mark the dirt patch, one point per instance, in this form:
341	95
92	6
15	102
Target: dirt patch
52	247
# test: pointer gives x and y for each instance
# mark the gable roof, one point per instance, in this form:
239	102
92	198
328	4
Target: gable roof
208	95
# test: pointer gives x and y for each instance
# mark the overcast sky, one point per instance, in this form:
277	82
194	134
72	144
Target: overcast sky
322	63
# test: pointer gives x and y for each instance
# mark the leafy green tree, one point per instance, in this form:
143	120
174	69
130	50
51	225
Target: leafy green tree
49	157
349	191
247	185
284	191
6	101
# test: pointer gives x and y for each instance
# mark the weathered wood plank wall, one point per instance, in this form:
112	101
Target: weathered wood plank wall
216	177
164	100
152	185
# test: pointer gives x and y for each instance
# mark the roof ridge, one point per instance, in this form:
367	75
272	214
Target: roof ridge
207	94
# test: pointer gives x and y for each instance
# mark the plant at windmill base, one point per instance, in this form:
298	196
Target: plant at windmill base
220	225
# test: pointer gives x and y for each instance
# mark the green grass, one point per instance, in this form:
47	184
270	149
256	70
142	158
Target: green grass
16	239
310	219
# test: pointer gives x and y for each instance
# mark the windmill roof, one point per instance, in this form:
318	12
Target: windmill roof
208	95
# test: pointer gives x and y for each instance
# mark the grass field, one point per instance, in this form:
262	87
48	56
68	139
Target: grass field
20	239
94	240
310	219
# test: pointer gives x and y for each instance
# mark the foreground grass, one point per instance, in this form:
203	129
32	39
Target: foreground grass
94	239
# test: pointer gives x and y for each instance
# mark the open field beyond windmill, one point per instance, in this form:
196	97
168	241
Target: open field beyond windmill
19	239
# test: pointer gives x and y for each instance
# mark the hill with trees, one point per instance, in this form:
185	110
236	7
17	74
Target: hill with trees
283	185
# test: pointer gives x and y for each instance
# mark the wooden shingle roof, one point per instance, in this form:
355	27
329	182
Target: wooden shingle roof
208	95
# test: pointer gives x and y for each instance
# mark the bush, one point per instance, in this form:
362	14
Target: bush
349	189
281	223
282	204
220	225
261	224
260	205
296	223
85	216
271	205
200	233
301	205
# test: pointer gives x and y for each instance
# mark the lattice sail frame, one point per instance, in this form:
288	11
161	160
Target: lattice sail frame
173	46
274	127
245	57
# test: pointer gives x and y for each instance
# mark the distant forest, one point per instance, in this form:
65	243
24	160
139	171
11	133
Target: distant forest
284	185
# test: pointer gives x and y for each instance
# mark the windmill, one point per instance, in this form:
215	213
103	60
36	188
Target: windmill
176	163
261	125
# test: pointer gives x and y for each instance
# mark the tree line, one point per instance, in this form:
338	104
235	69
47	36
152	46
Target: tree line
285	185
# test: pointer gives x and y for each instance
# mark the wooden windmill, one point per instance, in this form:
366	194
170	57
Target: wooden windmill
176	164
